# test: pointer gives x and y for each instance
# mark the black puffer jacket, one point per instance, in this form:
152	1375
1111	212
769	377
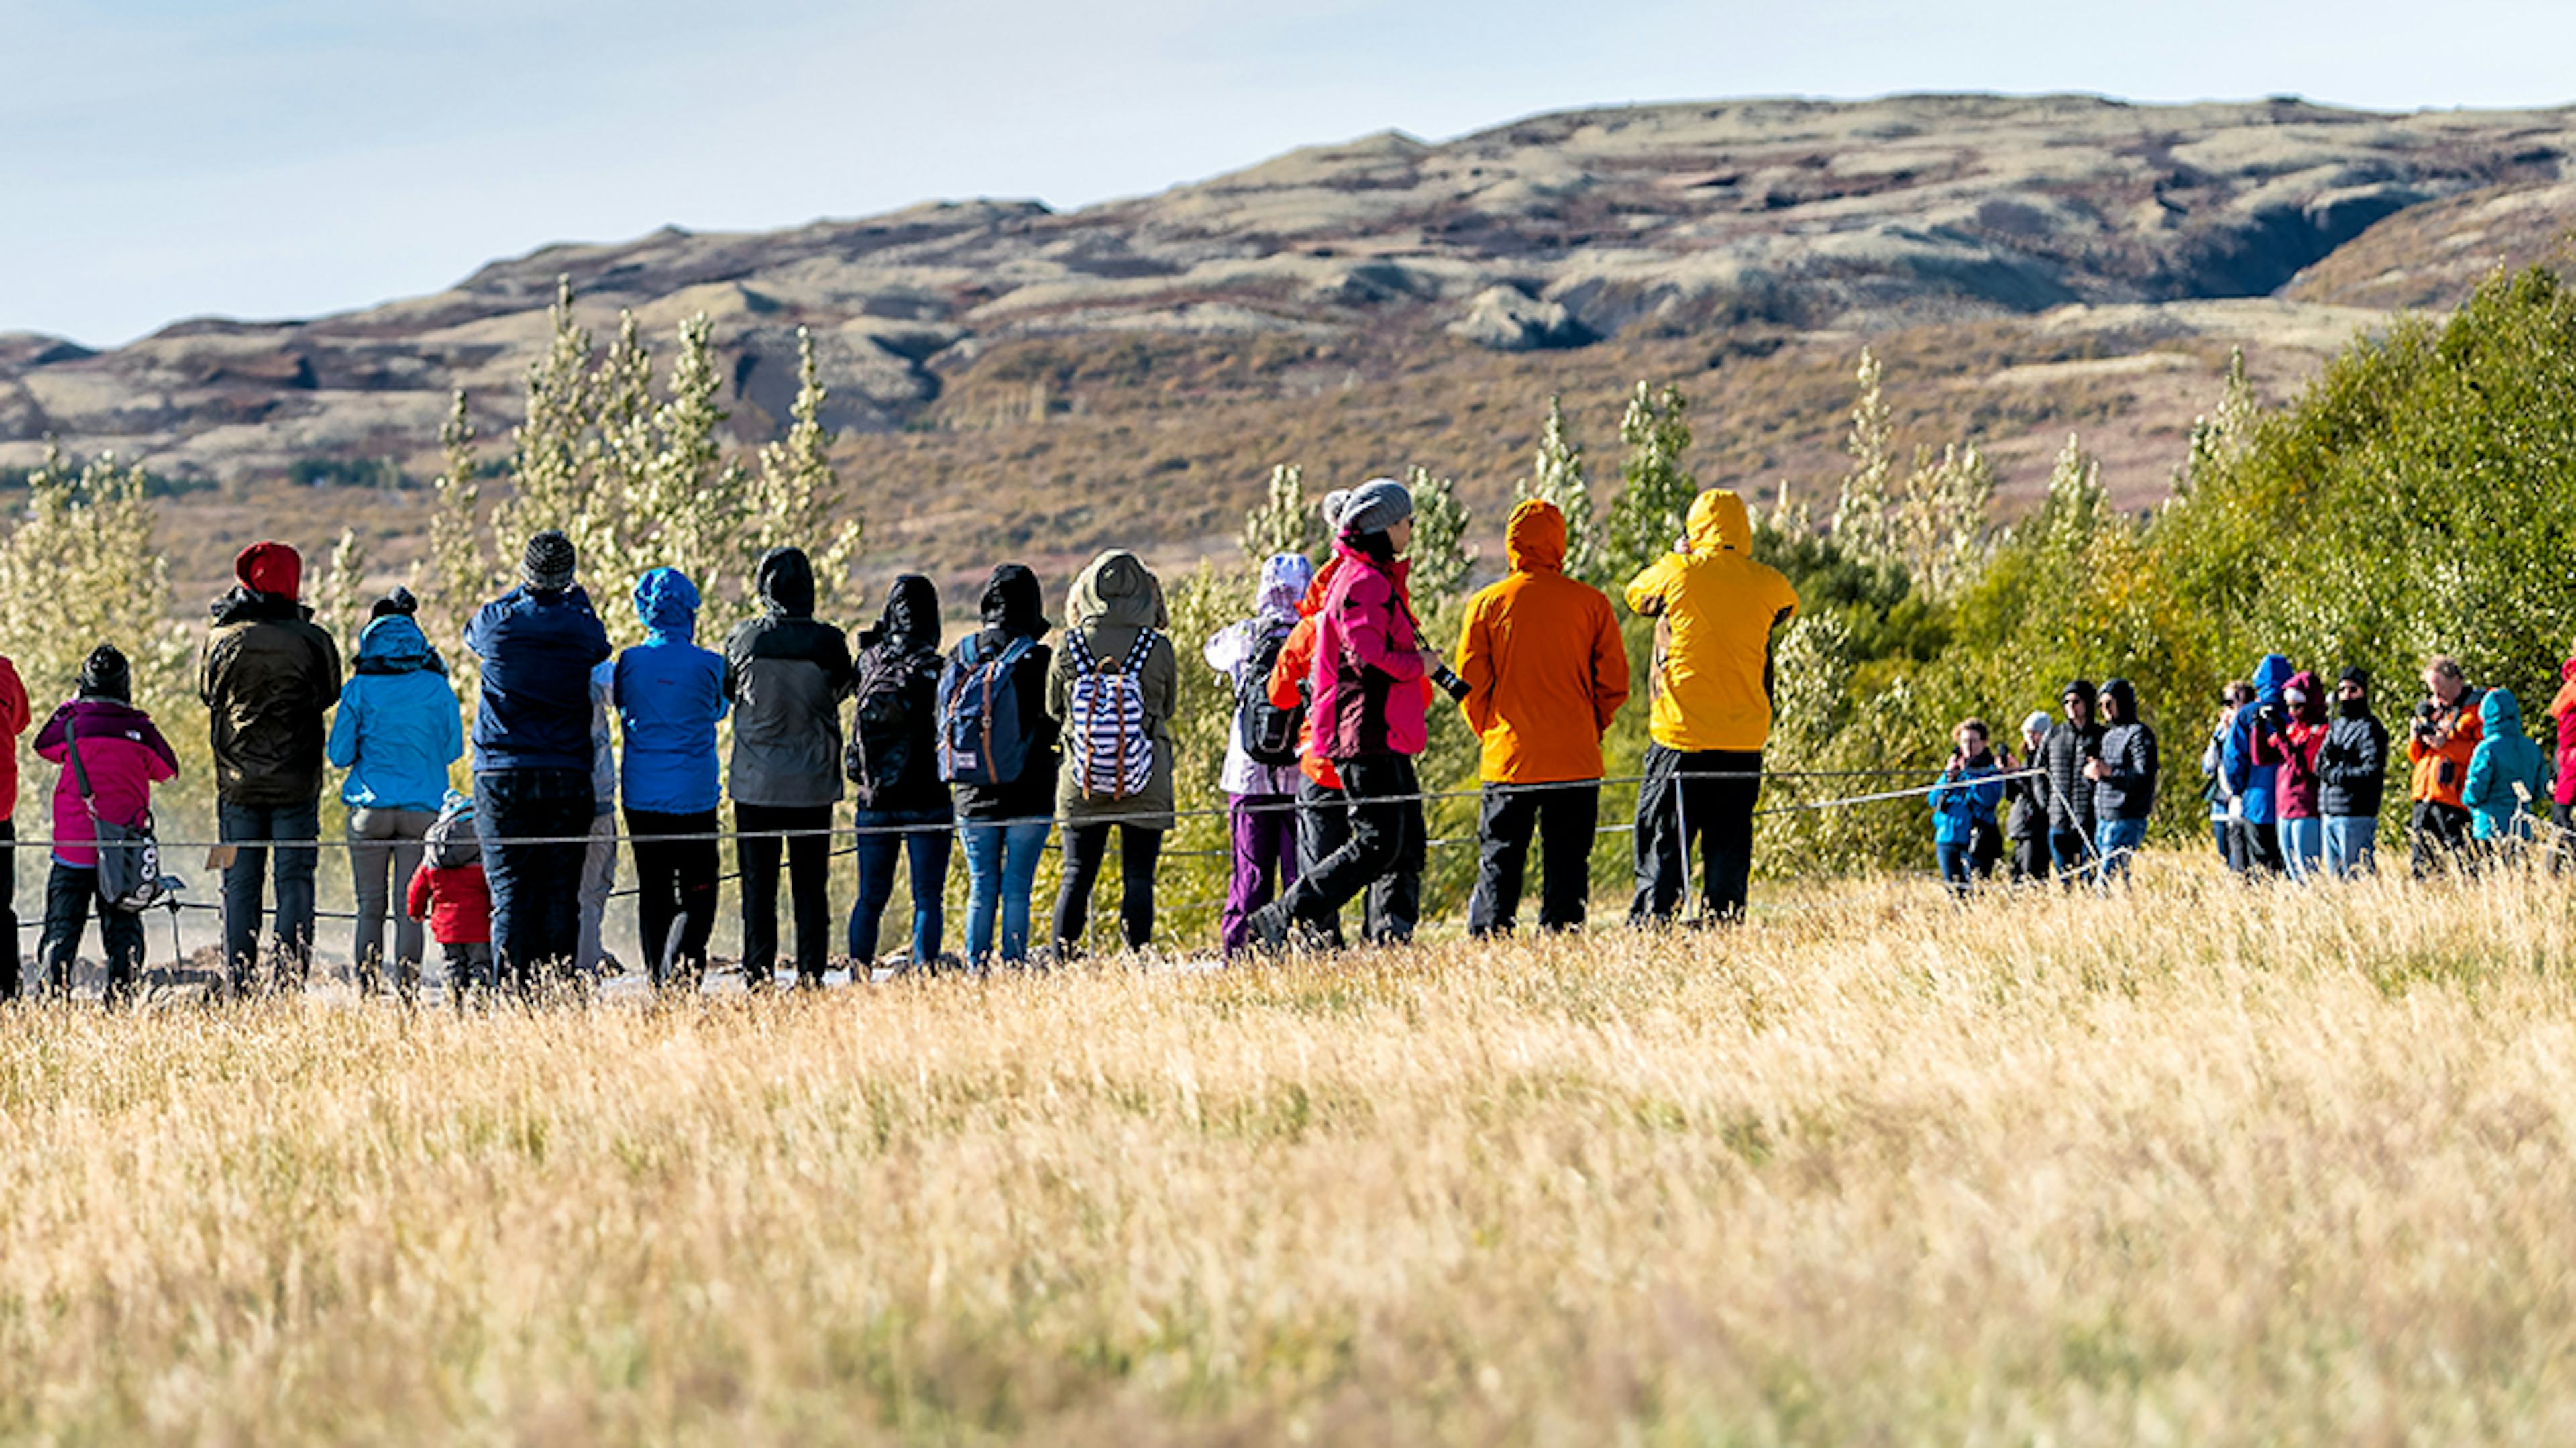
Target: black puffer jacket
2128	792
786	675
2070	794
893	756
267	677
2352	766
2027	799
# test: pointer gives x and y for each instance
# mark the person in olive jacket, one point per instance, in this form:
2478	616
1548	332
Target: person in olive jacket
2352	777
1116	627
267	677
786	673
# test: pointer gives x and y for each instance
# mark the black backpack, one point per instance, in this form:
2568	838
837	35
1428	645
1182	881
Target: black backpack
1269	733
881	729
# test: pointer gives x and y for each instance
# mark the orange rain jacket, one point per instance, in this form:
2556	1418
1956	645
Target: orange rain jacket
1541	655
1717	606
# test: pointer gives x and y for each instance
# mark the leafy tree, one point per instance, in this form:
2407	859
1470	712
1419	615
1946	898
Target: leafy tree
1654	502
1557	476
1441	557
1864	515
1283	522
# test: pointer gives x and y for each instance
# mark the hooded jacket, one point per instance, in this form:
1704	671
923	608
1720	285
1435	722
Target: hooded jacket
786	675
1715	608
1965	798
897	670
1233	650
2352	767
398	727
13	722
2504	757
125	756
1113	601
1542	659
2063	754
2128	791
267	677
538	649
1365	679
1010	608
2441	764
669	693
2562	712
2249	763
2302	738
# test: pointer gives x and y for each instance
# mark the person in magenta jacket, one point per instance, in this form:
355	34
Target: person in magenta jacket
2296	812
1368	712
124	756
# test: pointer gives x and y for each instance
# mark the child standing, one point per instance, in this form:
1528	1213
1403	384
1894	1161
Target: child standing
1260	773
449	891
123	756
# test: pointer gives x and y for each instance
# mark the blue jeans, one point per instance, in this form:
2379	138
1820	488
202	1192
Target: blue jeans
2352	845
2303	847
2069	851
536	888
1001	870
1958	867
926	847
2116	841
247	827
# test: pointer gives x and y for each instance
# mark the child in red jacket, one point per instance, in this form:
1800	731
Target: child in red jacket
448	890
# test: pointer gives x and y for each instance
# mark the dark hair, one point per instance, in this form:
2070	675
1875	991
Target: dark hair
1375	544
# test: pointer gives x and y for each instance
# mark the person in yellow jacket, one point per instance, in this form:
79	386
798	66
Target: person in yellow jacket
1715	609
1545	672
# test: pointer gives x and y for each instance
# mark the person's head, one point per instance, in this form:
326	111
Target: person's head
784	579
1285	577
666	603
546	564
2077	698
1011	603
106	675
2236	695
2444	680
2119	702
2352	691
2034	729
1970	736
911	612
274	569
1378	518
397	604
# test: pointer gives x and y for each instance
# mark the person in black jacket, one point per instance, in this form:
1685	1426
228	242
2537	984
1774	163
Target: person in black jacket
2352	778
893	761
2124	780
785	676
1003	826
2064	754
2026	822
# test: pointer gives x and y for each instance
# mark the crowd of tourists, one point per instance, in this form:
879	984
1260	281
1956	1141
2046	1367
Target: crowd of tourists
990	748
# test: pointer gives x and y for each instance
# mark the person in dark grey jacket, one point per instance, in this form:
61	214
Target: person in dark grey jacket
2352	778
2124	780
2064	754
2026	824
785	676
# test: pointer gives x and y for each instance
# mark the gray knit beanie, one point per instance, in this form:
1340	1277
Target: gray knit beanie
1376	505
548	564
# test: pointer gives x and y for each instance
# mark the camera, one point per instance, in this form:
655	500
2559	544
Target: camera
1449	682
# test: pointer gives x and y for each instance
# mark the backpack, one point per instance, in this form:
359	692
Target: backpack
451	840
880	749
1113	751
981	738
1269	733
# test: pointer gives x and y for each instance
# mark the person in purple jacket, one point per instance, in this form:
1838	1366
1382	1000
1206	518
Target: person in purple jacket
123	756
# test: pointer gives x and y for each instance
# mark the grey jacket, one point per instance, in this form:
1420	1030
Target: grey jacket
785	676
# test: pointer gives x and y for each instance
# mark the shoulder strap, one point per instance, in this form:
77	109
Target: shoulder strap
1137	654
1081	647
80	771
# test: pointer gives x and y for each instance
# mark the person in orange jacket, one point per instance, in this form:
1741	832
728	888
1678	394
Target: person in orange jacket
13	722
1545	672
2444	739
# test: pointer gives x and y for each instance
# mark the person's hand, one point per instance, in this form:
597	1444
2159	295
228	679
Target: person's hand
2096	770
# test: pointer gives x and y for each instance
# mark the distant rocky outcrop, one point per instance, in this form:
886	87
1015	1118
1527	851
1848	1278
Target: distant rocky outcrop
1551	232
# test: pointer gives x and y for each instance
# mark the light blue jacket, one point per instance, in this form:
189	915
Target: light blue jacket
669	694
2505	757
1959	804
398	727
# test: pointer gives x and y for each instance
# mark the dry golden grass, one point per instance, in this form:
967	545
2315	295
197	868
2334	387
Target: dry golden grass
2199	1165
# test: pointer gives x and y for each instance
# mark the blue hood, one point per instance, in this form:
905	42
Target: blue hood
667	602
392	645
2501	713
2270	677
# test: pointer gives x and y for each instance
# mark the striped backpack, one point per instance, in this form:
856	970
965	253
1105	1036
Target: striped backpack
1113	751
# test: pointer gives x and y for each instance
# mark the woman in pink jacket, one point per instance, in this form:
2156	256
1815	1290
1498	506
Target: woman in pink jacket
1367	713
124	757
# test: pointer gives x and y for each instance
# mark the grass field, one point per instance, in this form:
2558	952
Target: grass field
2200	1165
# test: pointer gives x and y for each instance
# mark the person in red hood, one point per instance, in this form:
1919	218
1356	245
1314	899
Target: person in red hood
13	722
1368	713
2562	788
123	756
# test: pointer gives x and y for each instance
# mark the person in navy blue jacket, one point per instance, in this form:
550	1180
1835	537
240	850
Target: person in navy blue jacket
1964	837
669	694
532	756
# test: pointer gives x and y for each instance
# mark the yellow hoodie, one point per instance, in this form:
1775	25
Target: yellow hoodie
1715	608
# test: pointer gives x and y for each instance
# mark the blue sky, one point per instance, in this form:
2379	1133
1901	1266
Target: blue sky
262	158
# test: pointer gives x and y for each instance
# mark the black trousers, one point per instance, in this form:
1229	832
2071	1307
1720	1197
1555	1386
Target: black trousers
1394	899
2438	833
1385	839
12	964
1563	817
809	888
2258	848
2030	860
71	896
1085	847
675	891
1678	815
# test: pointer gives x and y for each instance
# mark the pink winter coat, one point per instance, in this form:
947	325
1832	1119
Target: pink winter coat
125	757
1366	646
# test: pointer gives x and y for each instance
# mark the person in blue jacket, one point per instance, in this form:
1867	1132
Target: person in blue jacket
2499	814
669	693
2249	770
532	757
396	732
1964	837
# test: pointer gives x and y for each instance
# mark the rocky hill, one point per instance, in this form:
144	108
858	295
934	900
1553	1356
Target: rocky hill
1088	361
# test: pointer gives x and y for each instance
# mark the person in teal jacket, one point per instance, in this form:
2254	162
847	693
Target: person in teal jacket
2500	818
397	730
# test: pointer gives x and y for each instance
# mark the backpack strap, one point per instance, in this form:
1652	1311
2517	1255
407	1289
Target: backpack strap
1081	647
1137	654
80	771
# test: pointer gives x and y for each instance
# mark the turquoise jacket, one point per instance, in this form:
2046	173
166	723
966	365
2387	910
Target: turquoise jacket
398	727
2504	758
